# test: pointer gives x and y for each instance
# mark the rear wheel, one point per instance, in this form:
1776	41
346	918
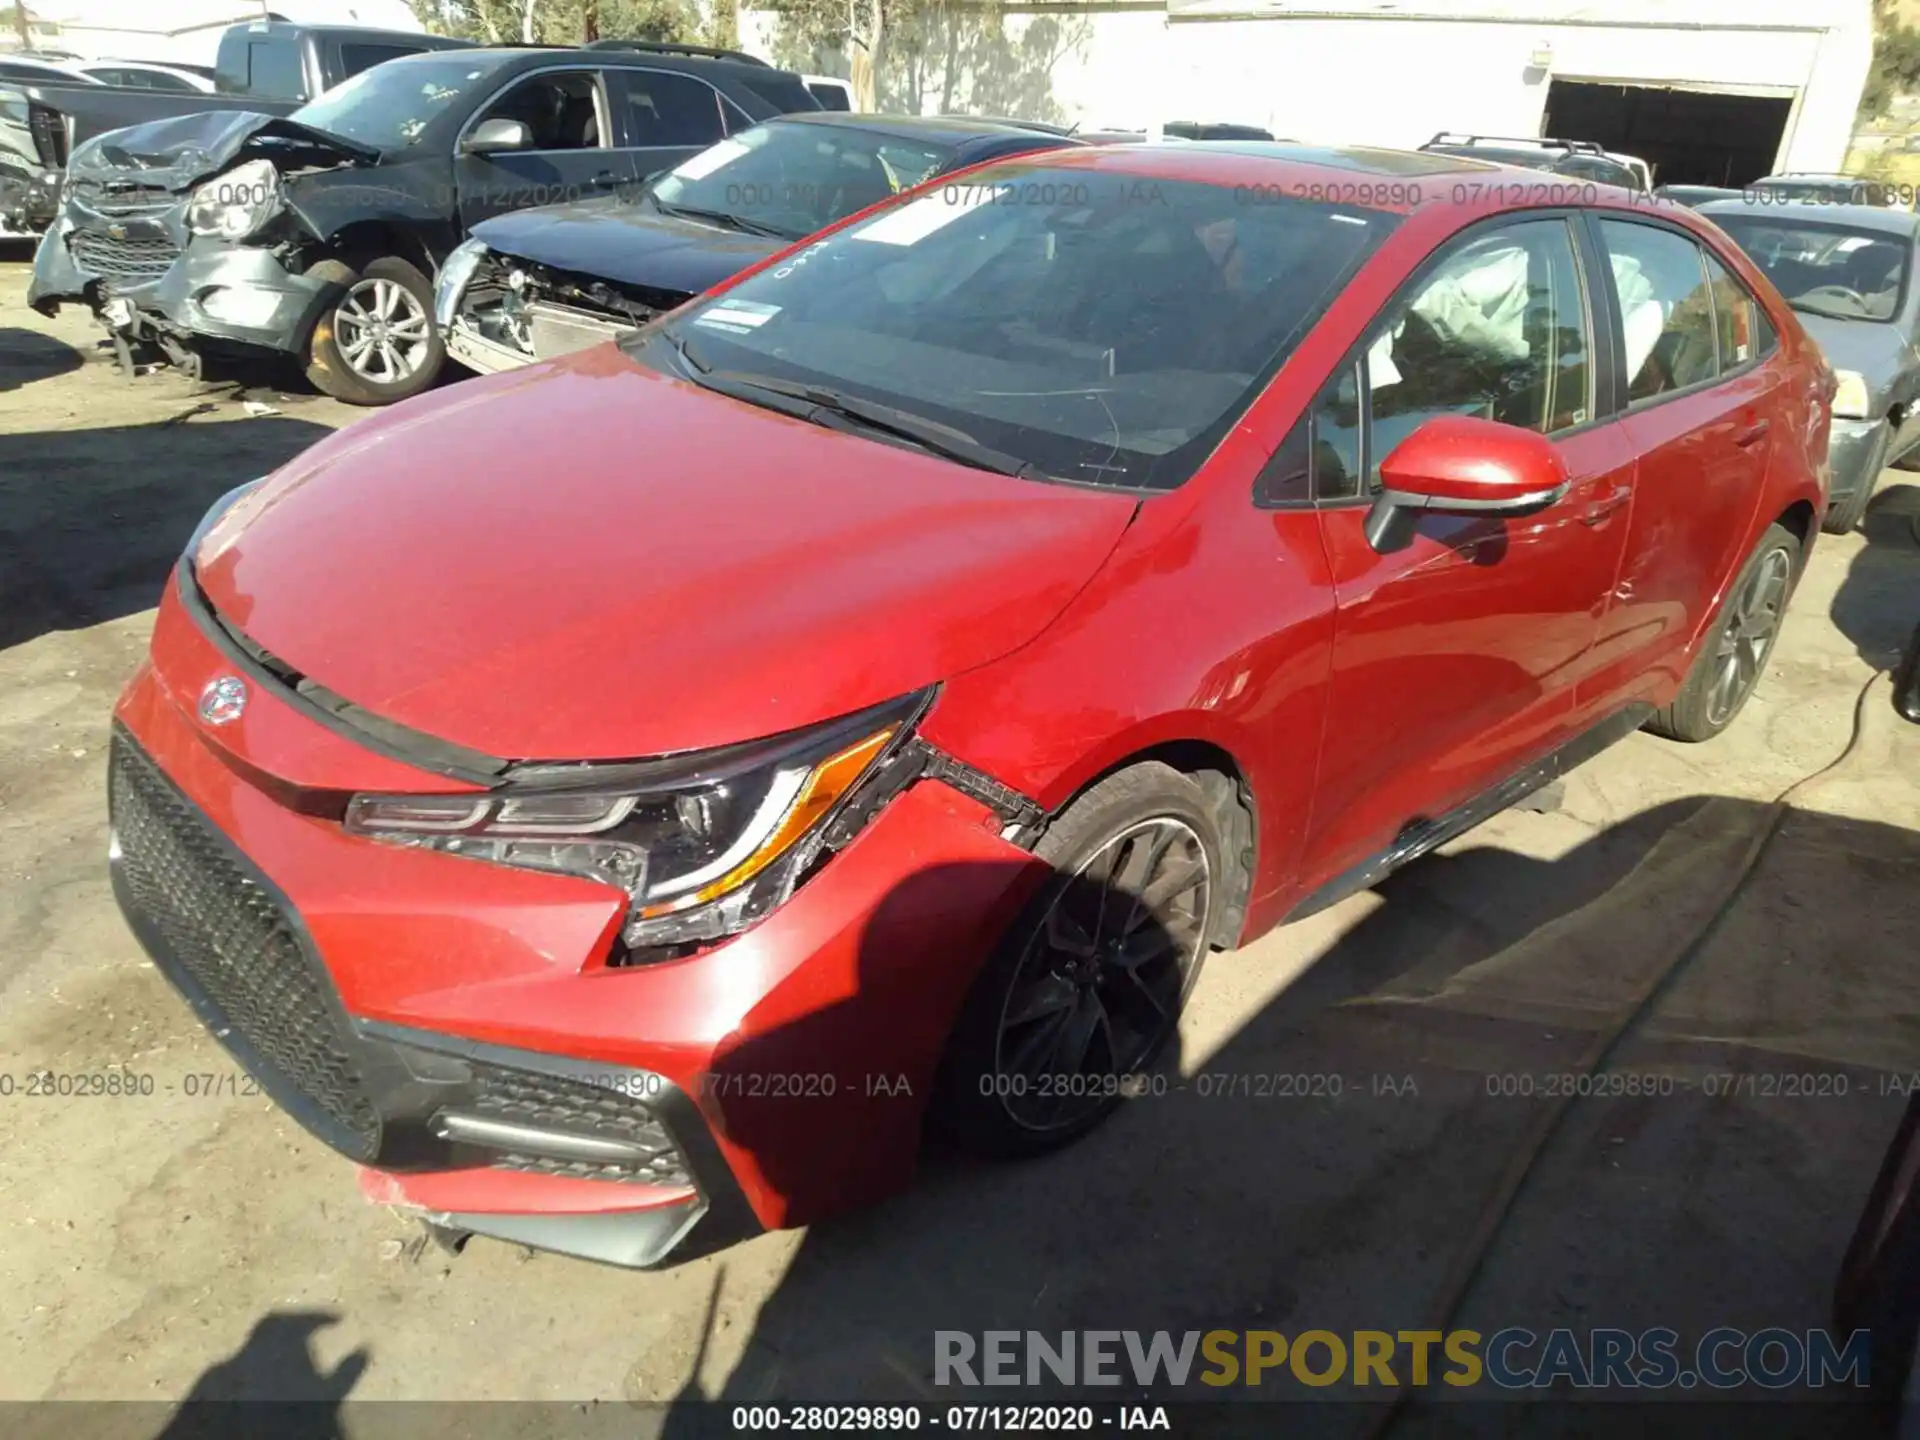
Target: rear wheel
1735	655
377	343
1087	986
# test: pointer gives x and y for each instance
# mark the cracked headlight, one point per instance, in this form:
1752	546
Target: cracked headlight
703	844
236	204
451	283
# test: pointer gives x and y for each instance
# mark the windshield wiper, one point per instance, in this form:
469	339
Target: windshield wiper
723	219
811	402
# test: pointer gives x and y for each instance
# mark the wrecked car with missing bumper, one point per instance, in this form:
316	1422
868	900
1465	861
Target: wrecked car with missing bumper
316	236
149	235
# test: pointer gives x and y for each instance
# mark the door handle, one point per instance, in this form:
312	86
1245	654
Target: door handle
1753	434
1600	509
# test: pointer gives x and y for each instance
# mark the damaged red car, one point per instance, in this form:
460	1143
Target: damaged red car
627	801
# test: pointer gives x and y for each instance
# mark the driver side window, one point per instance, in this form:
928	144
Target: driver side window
562	109
1500	330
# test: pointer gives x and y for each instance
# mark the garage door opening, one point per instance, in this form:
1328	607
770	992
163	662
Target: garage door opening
1689	137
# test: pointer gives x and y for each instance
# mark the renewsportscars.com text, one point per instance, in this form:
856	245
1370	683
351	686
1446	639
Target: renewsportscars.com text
1511	1359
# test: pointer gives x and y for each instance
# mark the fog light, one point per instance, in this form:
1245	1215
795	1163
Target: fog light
235	306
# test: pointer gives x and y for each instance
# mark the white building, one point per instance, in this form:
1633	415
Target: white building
1711	91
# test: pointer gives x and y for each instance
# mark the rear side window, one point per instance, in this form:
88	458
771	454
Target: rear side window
664	109
274	71
1666	309
1740	327
786	93
355	58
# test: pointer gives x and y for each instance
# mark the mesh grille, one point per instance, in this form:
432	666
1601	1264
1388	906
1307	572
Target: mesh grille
557	1103
122	259
233	940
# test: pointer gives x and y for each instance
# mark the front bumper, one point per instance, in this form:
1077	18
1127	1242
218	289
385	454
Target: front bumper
411	1004
1851	453
180	285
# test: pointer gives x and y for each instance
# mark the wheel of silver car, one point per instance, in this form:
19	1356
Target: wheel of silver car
383	332
1729	664
1087	985
377	342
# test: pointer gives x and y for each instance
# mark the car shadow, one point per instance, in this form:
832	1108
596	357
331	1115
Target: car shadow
28	355
91	521
1876	606
1324	1167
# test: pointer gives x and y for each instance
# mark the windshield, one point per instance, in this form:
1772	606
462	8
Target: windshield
795	179
1099	328
390	106
1827	269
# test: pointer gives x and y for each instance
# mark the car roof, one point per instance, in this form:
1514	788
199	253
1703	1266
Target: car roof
1850	217
939	129
502	57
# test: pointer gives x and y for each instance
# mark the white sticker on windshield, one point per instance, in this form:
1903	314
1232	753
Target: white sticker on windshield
710	160
917	219
738	316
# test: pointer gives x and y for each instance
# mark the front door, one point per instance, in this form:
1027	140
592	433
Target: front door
1456	656
571	158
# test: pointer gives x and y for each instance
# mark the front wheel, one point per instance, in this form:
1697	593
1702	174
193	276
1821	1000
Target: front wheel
1735	654
1087	986
377	343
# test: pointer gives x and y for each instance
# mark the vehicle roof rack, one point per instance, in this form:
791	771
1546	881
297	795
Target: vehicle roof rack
1577	147
666	47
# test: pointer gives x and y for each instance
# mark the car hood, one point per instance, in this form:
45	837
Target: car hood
1876	350
186	149
586	559
624	239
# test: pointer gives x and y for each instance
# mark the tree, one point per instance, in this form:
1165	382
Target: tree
1896	62
559	22
901	54
21	23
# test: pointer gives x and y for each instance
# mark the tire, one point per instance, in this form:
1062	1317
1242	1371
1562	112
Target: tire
1742	636
1006	1086
335	366
1844	517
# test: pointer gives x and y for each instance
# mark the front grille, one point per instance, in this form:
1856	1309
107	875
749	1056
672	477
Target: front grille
146	259
553	1102
207	912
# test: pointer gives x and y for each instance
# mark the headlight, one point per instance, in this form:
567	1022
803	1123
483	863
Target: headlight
1851	401
452	282
236	204
703	845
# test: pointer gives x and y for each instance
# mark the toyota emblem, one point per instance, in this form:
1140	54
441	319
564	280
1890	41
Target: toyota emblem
224	700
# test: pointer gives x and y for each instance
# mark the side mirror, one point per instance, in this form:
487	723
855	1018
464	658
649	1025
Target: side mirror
497	134
1459	464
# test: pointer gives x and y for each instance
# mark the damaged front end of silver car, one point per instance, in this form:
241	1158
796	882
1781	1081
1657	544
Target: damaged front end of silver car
498	312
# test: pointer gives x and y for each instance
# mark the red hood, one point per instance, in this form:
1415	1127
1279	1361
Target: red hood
588	560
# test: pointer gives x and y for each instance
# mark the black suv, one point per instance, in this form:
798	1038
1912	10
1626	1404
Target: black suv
1578	159
317	235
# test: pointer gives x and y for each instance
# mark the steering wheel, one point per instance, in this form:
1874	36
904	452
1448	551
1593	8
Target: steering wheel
1840	290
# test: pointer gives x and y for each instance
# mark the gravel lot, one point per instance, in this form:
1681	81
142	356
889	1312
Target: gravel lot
193	1242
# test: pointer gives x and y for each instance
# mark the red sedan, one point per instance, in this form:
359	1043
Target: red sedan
625	801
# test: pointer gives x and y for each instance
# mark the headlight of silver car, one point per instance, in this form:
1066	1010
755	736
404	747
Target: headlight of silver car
703	844
1851	399
453	278
236	204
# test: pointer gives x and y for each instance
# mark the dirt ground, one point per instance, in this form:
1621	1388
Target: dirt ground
153	1246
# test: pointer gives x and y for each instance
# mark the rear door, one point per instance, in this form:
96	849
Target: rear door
572	157
1456	657
662	118
1703	389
